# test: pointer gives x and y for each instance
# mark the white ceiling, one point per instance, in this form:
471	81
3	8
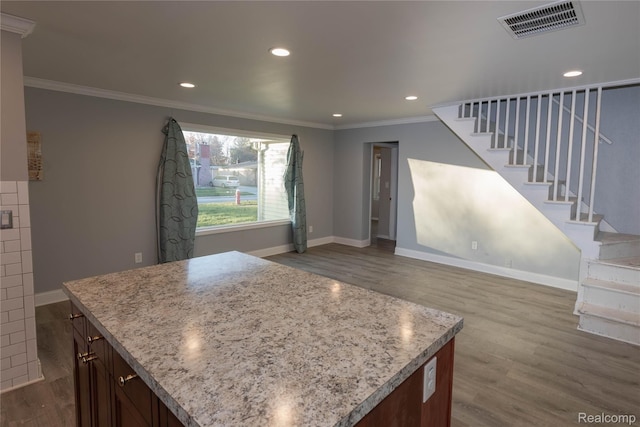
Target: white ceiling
356	58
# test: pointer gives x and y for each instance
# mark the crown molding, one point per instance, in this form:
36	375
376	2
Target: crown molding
391	122
159	102
15	24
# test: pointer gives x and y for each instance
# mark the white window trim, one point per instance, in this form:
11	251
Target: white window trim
240	227
204	231
192	127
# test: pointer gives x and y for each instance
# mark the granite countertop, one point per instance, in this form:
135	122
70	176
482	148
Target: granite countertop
235	340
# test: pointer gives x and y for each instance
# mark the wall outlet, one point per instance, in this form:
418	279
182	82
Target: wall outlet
429	384
474	245
138	257
311	229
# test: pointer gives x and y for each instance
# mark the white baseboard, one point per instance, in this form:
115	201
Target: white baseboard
554	282
50	297
352	242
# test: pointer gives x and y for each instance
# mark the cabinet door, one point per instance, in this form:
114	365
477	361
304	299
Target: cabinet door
125	412
100	393
81	376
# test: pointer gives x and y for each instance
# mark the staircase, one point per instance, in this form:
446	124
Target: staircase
541	145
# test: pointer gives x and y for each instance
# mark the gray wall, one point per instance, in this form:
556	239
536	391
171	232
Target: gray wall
442	211
95	207
13	149
618	176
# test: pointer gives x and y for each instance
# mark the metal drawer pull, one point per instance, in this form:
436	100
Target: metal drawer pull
87	357
75	316
94	338
123	380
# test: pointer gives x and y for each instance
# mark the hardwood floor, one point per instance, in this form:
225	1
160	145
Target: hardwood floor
520	361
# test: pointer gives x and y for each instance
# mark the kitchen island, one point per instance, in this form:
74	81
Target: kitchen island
234	340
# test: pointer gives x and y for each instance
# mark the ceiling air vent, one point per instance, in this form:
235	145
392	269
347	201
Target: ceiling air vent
543	19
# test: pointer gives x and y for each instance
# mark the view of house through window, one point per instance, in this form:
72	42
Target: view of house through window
238	179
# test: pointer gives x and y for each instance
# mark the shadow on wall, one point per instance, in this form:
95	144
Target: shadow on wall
455	206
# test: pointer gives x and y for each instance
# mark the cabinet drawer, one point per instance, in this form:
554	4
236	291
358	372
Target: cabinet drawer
134	388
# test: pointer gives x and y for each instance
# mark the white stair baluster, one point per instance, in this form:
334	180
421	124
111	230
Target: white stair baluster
572	117
558	144
596	142
583	149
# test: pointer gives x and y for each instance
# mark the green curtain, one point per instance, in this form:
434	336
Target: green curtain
294	185
176	201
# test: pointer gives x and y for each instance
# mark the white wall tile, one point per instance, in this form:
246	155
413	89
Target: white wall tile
12	304
8	187
32	350
10	327
13	349
9	234
34	371
3	294
17	337
27	262
25	216
12	246
11	258
25	238
19	359
27	281
3	271
15	315
15	372
14	270
15	292
11	280
30	328
7	199
23	192
29	306
4	317
5	363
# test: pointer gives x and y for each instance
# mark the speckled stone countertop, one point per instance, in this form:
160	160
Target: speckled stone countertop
234	340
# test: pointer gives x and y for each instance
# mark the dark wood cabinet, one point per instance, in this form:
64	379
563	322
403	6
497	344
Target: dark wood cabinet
404	406
108	392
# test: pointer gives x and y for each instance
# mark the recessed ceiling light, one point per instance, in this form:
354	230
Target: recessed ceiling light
279	51
411	98
574	73
337	115
187	84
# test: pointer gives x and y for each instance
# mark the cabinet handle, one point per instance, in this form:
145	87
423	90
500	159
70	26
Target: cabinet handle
73	316
91	339
123	380
87	357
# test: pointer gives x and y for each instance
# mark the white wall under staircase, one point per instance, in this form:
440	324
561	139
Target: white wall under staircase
609	292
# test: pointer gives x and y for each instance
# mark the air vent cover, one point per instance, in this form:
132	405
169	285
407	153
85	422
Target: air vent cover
543	19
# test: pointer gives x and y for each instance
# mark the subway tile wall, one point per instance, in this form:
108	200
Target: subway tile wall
18	350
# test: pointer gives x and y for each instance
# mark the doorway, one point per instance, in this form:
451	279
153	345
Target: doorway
383	195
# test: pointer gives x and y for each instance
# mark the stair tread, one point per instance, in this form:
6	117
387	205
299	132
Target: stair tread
626	262
608	237
624	287
621	316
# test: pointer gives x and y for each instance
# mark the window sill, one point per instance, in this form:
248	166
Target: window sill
240	227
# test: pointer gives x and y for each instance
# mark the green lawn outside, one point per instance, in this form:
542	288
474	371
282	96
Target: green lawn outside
212	214
217	191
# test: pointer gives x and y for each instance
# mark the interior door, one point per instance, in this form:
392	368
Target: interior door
384	209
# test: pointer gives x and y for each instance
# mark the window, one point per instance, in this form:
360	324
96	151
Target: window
238	176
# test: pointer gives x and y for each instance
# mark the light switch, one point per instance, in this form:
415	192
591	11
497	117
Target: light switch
7	219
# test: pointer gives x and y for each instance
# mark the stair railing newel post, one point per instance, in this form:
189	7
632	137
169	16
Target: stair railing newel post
595	153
